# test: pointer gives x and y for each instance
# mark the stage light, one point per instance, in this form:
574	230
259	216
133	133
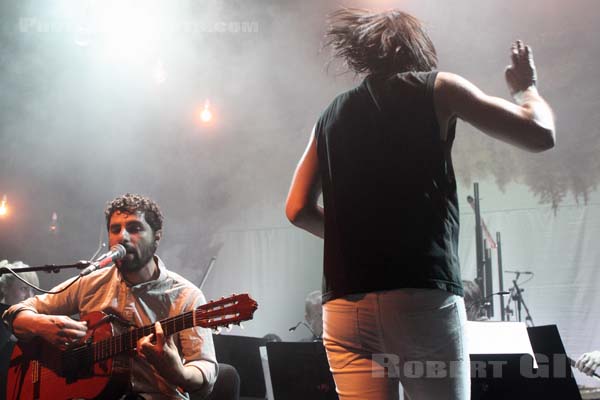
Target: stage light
206	115
3	207
54	223
129	35
123	33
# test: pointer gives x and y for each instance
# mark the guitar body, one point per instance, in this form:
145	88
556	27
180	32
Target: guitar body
98	366
39	370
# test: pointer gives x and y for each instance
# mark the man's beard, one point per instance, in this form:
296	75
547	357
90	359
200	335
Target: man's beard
139	260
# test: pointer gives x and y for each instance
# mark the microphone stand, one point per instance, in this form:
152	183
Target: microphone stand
207	271
49	268
56	268
518	297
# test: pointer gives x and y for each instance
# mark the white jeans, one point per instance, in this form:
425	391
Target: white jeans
376	340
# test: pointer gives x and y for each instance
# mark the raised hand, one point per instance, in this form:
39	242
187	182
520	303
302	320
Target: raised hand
521	74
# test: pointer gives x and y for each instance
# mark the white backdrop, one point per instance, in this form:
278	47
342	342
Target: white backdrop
563	253
278	265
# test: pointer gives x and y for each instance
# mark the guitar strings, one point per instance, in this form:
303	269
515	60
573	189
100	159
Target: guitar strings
105	346
98	350
186	320
102	349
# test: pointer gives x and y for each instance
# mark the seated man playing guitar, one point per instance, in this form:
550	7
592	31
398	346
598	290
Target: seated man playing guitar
138	291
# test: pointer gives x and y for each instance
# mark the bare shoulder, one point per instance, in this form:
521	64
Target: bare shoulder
450	85
456	96
445	78
445	95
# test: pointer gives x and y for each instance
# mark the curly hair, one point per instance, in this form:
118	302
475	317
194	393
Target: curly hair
131	203
380	43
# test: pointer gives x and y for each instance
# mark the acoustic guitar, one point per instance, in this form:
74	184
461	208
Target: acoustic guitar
40	370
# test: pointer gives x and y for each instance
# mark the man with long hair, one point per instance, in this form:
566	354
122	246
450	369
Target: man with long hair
381	156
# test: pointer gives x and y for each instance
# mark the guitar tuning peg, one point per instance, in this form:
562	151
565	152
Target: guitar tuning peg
217	330
241	326
233	294
229	328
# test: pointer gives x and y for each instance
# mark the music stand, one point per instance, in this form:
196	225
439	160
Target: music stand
547	343
243	353
520	377
299	371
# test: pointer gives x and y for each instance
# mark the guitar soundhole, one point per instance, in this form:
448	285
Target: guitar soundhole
77	364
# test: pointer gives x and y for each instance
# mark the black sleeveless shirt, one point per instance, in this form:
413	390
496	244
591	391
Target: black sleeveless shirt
389	192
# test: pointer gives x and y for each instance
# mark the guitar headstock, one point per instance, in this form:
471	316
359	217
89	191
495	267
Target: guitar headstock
226	311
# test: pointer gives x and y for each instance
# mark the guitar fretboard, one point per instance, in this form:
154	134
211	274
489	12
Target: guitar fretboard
223	312
108	348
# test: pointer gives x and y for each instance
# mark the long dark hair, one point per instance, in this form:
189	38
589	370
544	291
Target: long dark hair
380	43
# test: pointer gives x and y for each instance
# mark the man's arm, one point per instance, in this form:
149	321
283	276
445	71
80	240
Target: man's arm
187	359
59	330
164	356
301	206
46	316
528	124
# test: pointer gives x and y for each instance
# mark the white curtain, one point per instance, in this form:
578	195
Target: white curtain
278	266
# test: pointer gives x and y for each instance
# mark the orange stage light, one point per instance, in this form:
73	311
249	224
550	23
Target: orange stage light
3	207
206	114
54	222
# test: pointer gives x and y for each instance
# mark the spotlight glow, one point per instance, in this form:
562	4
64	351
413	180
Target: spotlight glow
54	222
3	207
206	115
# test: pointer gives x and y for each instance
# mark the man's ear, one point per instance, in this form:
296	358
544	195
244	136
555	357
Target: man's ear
158	235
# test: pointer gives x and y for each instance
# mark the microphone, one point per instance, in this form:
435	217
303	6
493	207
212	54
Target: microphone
519	272
293	328
116	253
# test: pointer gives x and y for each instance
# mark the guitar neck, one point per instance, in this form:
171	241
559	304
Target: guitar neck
117	344
222	312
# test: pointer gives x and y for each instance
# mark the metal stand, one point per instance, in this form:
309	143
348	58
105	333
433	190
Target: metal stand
207	271
500	276
516	294
483	253
480	279
49	268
